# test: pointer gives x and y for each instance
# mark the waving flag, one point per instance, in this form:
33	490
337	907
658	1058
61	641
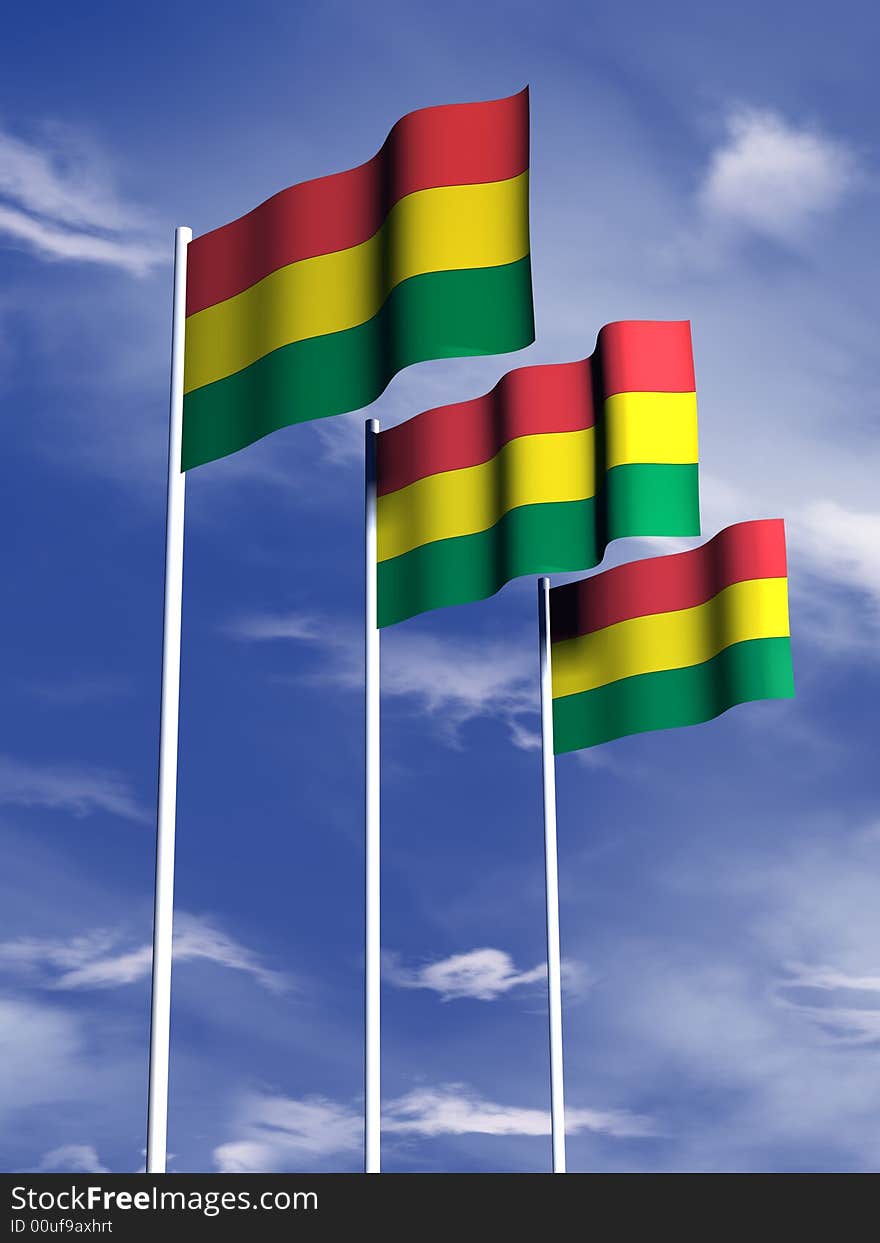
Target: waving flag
308	305
671	640
540	474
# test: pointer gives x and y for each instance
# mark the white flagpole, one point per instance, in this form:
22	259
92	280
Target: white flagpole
554	968
163	912
372	1055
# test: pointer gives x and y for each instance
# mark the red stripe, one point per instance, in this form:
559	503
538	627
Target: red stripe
524	402
745	551
561	397
647	356
451	145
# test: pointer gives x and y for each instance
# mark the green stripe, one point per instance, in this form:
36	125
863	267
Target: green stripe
756	669
439	315
540	539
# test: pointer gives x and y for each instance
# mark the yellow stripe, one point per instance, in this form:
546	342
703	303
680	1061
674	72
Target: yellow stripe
437	230
757	609
553	466
650	427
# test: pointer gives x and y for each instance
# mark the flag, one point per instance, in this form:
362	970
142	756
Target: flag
672	640
541	473
308	305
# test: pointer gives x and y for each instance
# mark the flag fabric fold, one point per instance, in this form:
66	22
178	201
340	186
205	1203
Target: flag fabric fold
308	305
540	474
672	640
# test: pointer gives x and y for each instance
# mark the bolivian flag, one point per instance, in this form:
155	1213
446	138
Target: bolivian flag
672	640
308	305
539	475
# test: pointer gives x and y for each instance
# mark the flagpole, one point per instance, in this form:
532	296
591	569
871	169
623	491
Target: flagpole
163	911
372	1055
551	874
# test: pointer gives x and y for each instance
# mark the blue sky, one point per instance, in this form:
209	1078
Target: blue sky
720	923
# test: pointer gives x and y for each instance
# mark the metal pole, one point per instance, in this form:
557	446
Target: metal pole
372	1056
163	913
554	966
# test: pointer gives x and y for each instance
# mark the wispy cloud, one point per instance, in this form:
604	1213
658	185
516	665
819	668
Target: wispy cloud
484	974
267	626
79	689
451	681
773	177
843	1025
58	198
454	1110
456	682
42	1054
71	1158
843	543
342	438
63	787
99	959
775	1023
849	1009
280	1132
62	1070
842	546
830	978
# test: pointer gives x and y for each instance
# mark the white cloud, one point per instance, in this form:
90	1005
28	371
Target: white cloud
842	546
456	682
773	177
342	438
280	1132
838	1017
71	1158
80	791
843	1025
53	241
60	1067
484	974
60	200
262	627
829	978
451	681
831	545
41	1056
453	1110
94	961
110	971
761	999
29	955
196	938
63	179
